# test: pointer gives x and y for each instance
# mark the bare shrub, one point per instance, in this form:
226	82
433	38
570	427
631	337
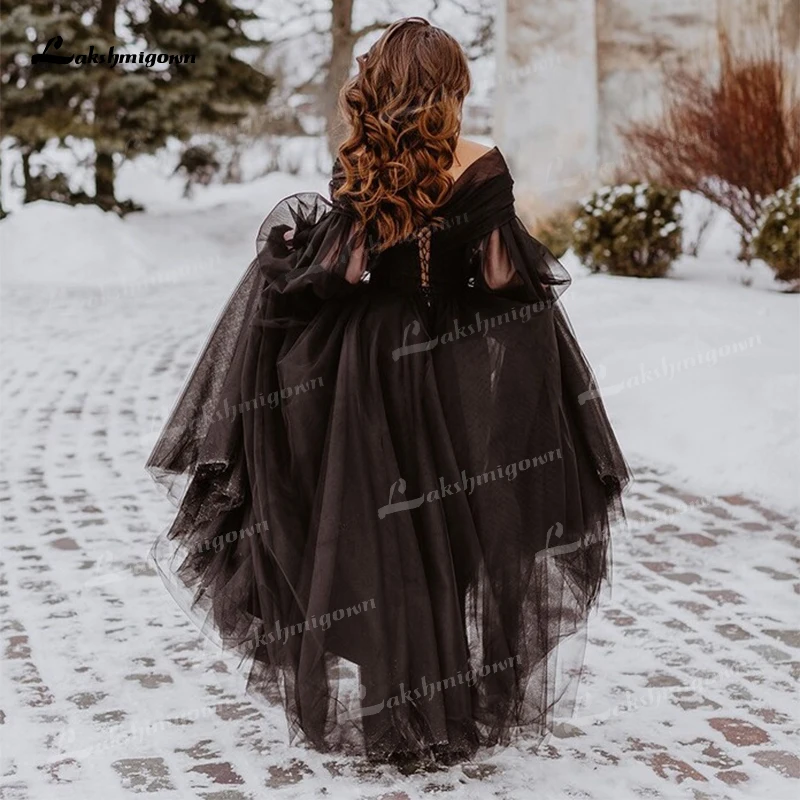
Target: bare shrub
733	137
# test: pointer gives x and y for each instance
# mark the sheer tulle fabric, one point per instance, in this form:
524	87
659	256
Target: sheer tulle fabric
395	501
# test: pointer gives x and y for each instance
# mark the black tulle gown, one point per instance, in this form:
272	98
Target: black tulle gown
395	485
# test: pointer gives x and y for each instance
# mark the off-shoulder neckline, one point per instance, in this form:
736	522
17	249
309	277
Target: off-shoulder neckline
469	166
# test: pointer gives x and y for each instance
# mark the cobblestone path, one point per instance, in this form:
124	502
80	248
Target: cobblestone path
109	691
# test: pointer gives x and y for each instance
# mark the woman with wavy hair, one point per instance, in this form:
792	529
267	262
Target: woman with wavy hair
408	542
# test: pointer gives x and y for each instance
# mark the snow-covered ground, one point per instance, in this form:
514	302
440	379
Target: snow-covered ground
109	690
700	371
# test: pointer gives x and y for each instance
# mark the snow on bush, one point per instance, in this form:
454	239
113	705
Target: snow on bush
631	229
778	238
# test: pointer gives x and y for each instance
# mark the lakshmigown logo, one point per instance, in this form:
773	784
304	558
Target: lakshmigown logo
111	59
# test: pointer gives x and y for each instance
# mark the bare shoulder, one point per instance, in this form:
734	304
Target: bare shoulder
467	153
467	150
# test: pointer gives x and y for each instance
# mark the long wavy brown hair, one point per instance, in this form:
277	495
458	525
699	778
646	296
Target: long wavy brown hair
403	110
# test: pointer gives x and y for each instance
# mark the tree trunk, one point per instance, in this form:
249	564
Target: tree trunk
342	46
26	177
2	210
104	180
104	110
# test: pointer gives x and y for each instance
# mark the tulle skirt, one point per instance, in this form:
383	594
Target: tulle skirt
396	508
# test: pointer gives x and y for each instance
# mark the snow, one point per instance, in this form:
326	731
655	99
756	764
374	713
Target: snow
699	370
102	631
58	246
700	376
53	243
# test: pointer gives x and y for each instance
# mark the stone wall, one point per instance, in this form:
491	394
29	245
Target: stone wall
636	40
570	73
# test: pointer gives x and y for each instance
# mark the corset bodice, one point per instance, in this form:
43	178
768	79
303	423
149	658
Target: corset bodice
421	265
442	257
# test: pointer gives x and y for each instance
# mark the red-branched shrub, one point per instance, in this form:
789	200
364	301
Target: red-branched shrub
733	137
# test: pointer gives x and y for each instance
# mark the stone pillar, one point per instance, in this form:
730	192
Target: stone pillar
746	21
546	104
760	27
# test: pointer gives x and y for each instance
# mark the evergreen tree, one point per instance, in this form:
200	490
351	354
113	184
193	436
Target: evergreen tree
130	108
136	107
218	88
40	101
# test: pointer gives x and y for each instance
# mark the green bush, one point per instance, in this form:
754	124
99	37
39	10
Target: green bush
555	230
631	229
778	238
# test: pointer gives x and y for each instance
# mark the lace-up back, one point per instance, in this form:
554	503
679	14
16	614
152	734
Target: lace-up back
441	257
424	256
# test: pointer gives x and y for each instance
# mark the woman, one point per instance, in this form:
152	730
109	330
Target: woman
398	499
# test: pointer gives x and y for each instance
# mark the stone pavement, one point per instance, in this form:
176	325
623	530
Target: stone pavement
109	691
